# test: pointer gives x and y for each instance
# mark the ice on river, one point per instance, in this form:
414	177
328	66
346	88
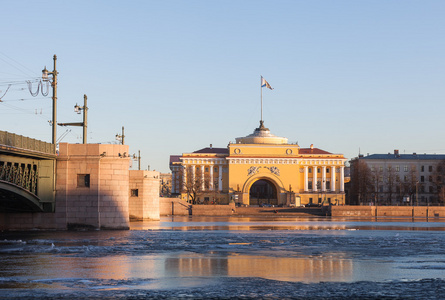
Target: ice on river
201	257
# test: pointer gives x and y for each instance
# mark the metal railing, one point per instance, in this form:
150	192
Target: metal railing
23	142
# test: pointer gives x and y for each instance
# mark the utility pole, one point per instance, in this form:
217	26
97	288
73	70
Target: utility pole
78	109
54	73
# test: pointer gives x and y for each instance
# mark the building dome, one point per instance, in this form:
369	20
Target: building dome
261	135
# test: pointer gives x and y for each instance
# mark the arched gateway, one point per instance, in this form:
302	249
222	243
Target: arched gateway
263	192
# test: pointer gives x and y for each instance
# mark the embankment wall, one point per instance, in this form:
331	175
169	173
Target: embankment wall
388	211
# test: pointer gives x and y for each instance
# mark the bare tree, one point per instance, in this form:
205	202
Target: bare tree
410	184
391	183
438	180
361	181
196	182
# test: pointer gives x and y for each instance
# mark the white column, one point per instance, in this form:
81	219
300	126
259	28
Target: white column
220	178
342	179
323	179
211	178
184	177
333	178
305	179
314	178
202	178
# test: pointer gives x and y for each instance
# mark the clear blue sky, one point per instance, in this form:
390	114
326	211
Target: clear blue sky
180	75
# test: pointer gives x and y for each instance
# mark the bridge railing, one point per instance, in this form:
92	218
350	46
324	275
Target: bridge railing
23	142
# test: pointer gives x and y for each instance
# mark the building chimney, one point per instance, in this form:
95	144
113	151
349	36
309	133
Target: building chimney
312	146
211	146
396	152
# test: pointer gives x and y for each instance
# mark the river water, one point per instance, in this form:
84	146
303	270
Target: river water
230	257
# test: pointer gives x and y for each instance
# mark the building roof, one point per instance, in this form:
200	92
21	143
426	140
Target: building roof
313	151
261	135
406	156
213	150
174	158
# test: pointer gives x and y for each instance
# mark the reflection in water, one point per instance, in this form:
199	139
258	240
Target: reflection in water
195	223
275	268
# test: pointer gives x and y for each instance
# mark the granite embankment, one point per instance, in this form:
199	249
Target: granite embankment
176	206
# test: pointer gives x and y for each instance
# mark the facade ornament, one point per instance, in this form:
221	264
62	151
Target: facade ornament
274	170
253	170
301	170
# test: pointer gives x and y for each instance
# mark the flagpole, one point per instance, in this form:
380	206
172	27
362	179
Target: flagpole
261	87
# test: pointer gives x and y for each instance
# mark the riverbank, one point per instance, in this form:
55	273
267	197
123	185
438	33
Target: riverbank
178	207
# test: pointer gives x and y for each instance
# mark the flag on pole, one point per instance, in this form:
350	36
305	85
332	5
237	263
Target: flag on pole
264	83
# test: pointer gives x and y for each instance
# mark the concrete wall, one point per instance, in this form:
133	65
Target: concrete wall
104	204
213	210
388	211
173	206
144	206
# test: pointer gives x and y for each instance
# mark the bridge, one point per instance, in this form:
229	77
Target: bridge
27	174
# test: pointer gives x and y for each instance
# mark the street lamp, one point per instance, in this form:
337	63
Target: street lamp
78	110
121	137
138	158
45	77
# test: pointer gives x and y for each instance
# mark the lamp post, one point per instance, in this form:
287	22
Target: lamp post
78	109
54	73
120	137
139	159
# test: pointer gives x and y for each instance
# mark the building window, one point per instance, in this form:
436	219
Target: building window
328	185
405	168
430	168
327	170
83	180
215	169
397	168
405	178
310	170
422	169
381	169
309	185
207	169
372	169
430	178
134	193
430	188
318	170
422	178
310	200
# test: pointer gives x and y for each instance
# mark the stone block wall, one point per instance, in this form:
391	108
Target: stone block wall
104	203
144	195
174	206
213	210
389	211
352	211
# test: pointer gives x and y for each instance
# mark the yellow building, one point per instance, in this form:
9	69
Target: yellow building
259	169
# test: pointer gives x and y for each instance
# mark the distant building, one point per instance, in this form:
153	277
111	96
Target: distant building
165	184
258	169
398	179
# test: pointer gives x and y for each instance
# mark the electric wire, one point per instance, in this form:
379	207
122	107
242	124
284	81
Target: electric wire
24	67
